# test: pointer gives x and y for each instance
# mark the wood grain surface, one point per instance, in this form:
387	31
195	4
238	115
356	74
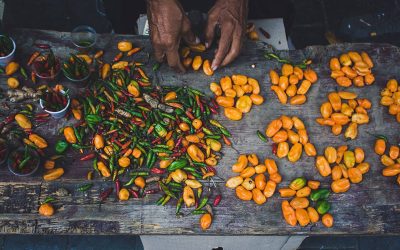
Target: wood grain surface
371	207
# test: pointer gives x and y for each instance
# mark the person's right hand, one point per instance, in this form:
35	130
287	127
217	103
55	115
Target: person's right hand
168	24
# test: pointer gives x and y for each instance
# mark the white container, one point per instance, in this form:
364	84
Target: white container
57	114
4	60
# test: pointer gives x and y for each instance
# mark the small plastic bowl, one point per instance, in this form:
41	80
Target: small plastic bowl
80	83
3	160
84	37
4	60
34	169
57	114
47	79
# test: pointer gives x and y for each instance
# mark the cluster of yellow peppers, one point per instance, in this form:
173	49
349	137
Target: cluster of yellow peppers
390	97
281	131
257	189
390	161
349	166
352	68
237	94
285	85
338	113
299	210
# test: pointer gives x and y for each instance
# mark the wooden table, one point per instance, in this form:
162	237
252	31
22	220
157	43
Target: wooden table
371	207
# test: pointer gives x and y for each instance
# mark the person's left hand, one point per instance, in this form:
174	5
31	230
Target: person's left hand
231	16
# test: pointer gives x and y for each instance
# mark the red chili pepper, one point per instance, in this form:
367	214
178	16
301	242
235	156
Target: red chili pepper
117	187
126	93
274	148
134	193
213	103
117	142
42	115
105	194
227	141
42	45
152	191
178	142
156	141
88	157
189	114
33	77
157	171
199	103
118	57
217	200
33	57
214	111
79	123
211	169
9	119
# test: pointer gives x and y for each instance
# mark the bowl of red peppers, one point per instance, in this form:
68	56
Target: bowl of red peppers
47	67
3	152
55	101
23	161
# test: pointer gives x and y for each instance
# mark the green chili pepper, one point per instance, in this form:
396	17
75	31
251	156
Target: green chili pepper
130	182
323	207
319	194
23	73
156	66
180	163
160	130
199	192
48	200
160	200
215	137
167	198
196	92
202	203
207	131
225	132
175	184
61	146
95	165
179	205
166	190
199	212
379	136
261	136
141	173
85	187
24	162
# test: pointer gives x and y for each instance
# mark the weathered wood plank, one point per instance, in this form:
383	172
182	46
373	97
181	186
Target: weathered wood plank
371	207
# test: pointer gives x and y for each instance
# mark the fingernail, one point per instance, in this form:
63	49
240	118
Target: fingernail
214	68
197	40
207	45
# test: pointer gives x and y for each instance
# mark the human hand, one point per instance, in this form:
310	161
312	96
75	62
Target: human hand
231	16
168	25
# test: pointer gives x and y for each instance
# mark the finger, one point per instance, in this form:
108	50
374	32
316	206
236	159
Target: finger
223	46
209	31
234	51
188	36
174	61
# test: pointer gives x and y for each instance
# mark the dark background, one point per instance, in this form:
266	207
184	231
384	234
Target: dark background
306	21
